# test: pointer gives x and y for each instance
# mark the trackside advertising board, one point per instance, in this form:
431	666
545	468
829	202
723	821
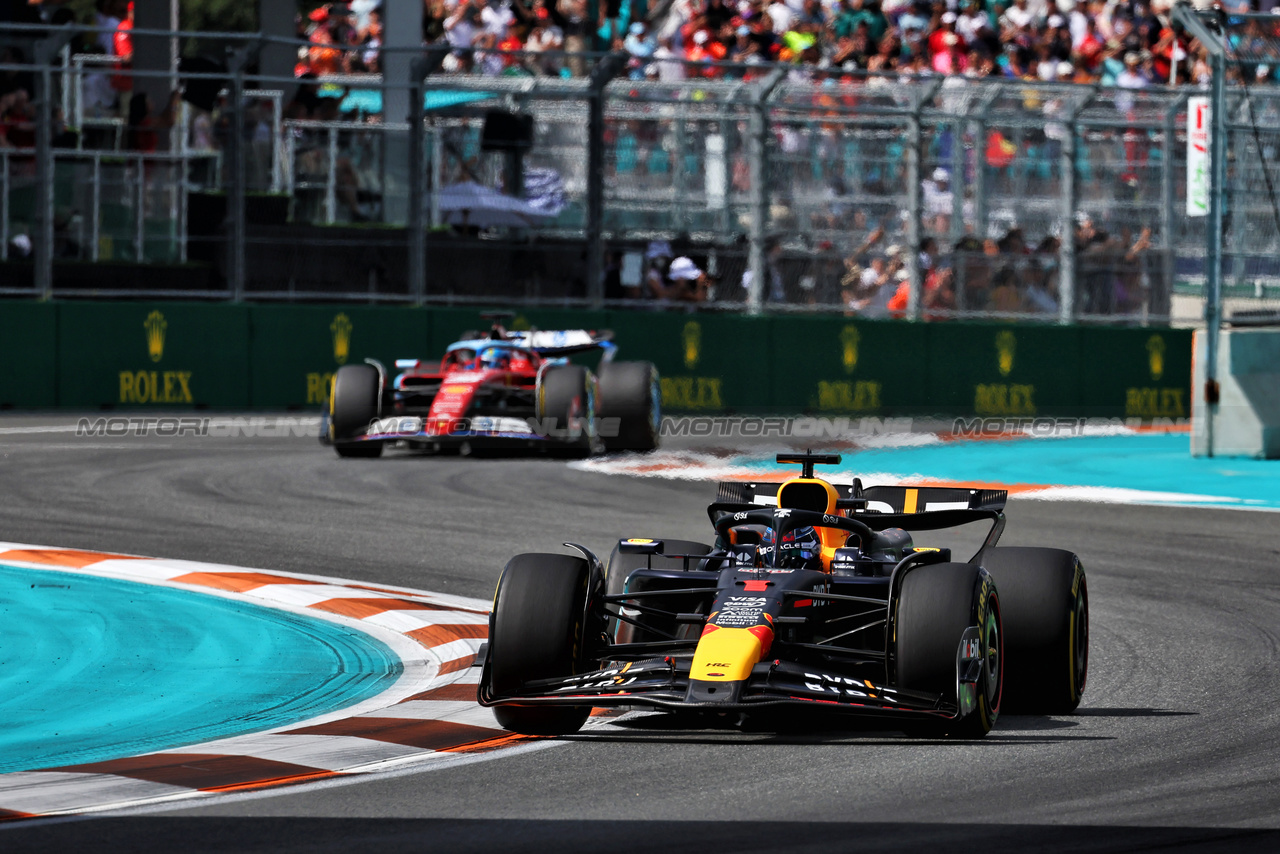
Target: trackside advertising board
28	354
176	355
1004	370
839	366
170	354
1138	373
707	363
295	350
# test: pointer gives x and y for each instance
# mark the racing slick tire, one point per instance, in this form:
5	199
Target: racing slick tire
936	604
620	566
535	633
567	395
629	391
1046	627
352	405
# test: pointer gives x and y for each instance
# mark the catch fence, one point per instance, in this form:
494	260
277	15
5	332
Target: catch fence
794	189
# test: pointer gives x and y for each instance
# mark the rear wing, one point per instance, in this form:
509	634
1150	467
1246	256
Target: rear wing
927	499
876	499
545	342
563	342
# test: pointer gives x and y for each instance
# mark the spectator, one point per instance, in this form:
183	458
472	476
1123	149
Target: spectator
641	44
688	282
938	201
1132	76
1005	297
143	128
106	18
577	29
654	283
17	120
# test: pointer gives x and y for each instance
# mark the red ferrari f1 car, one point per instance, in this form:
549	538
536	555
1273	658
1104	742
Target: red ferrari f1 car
813	595
501	389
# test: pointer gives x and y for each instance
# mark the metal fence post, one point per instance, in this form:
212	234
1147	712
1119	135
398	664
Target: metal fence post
980	172
757	158
4	206
1217	190
1213	40
1067	212
419	70
959	182
1167	199
609	67
915	138
679	180
45	51
236	190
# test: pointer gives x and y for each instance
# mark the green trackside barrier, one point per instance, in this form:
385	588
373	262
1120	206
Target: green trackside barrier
295	350
176	354
28	354
168	354
1003	370
839	366
707	363
1136	373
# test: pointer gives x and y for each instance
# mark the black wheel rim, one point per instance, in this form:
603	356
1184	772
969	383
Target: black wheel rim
993	657
1080	636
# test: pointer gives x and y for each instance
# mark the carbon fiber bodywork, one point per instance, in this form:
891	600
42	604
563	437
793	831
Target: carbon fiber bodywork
822	637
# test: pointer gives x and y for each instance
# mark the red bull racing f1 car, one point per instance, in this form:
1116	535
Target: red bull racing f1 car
501	389
811	595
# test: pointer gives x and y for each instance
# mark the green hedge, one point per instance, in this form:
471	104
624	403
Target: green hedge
192	355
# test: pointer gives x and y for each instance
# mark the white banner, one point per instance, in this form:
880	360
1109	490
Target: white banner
1198	156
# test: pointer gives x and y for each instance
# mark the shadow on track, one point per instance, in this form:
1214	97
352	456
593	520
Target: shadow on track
232	835
692	728
1131	713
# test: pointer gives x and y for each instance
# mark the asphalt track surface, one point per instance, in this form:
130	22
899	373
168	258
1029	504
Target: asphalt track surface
1176	746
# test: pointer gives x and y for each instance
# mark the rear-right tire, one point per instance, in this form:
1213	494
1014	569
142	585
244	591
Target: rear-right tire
937	603
536	632
630	392
1046	616
353	404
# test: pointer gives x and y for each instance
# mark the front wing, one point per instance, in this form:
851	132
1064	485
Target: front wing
663	683
482	428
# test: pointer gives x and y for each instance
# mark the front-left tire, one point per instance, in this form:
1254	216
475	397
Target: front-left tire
353	404
537	632
937	603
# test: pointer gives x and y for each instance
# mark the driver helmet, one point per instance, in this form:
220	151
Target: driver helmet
494	357
800	548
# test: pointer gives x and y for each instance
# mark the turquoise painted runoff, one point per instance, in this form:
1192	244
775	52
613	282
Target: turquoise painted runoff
1153	463
95	668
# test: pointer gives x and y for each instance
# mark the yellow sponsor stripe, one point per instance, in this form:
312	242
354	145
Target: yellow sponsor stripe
910	506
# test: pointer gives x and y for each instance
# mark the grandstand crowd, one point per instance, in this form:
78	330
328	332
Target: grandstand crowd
1127	43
